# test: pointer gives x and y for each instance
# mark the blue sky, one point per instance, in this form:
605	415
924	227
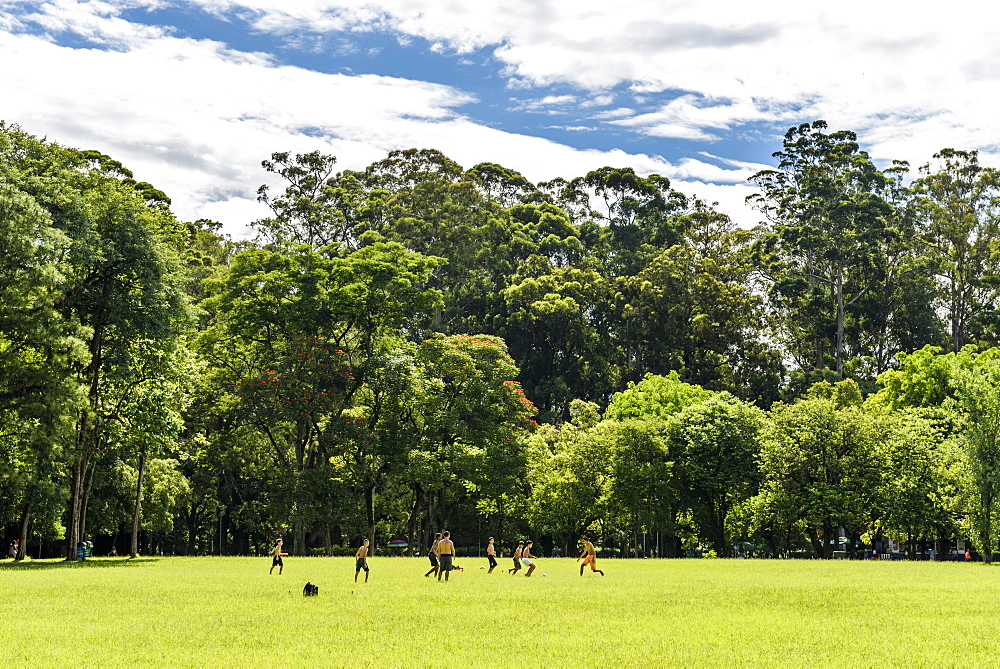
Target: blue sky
193	95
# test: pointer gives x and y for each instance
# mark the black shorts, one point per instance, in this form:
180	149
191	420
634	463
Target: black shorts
493	561
276	562
517	563
433	558
446	561
360	564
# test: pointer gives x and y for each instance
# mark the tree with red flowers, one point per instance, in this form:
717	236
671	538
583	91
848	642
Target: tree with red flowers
297	332
470	416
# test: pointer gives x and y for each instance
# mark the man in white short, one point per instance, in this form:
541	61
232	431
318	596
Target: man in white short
527	558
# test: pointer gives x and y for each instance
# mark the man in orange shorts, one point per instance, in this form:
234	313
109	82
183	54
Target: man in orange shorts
589	556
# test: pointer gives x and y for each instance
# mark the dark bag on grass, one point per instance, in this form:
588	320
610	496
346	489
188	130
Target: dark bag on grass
310	590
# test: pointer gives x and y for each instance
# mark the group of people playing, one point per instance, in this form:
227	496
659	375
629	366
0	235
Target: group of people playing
442	557
523	557
360	559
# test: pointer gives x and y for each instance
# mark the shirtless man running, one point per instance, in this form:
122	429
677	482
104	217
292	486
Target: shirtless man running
589	556
276	559
432	555
361	561
491	555
527	558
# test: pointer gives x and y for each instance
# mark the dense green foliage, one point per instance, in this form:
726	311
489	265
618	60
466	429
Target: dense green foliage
417	345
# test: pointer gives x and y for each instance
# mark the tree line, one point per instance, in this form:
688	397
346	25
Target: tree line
418	345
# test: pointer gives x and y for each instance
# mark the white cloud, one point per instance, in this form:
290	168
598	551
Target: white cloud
690	169
548	104
237	209
620	112
94	20
195	117
598	101
730	199
749	167
857	64
557	99
688	117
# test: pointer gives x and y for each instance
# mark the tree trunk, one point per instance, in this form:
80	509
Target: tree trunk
431	520
722	547
75	507
445	509
957	336
86	439
89	476
819	350
137	508
840	322
985	520
299	539
25	521
370	513
855	540
500	518
411	525
816	539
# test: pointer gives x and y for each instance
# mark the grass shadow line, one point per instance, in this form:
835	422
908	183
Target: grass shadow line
58	563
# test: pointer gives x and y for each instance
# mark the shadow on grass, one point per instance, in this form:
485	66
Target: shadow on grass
89	563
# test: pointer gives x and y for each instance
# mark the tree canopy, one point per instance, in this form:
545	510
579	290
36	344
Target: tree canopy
418	345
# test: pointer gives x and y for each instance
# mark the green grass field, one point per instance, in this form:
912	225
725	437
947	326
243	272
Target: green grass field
203	612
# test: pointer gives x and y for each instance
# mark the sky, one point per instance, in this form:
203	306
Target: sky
192	96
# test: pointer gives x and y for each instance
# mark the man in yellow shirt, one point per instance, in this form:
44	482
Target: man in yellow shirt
589	556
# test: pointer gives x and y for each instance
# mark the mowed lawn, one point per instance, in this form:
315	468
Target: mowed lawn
206	612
